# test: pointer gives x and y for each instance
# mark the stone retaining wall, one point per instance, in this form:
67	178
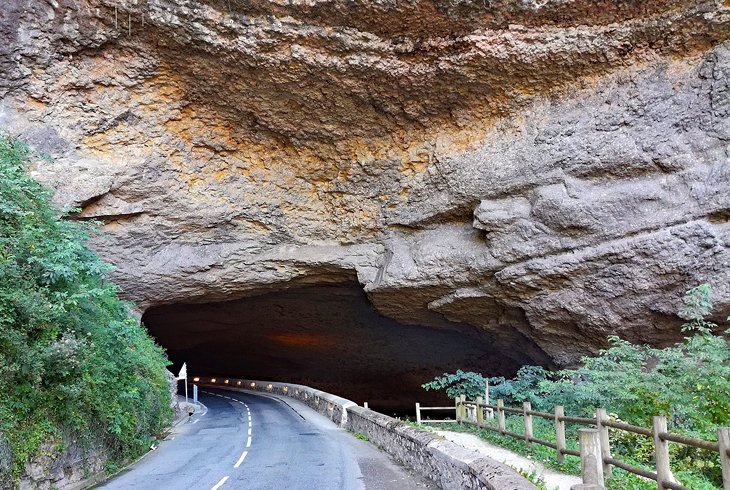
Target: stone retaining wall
63	466
449	465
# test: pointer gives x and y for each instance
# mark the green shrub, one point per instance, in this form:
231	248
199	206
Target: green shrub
72	359
460	383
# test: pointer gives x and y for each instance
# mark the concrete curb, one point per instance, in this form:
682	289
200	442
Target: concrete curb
446	463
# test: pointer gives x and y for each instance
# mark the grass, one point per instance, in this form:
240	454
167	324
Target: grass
361	436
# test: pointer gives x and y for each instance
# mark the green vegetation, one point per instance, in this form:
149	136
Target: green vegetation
361	436
74	365
536	479
688	382
459	383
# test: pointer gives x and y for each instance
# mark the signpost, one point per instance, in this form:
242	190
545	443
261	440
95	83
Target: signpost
184	375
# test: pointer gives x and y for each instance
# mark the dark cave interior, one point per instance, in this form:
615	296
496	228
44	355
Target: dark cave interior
328	337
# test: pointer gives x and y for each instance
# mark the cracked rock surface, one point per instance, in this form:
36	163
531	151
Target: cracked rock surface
532	174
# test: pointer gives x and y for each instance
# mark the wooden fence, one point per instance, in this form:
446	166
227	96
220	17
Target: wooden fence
421	420
594	443
469	413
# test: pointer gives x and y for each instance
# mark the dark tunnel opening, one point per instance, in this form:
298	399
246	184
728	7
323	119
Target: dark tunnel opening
329	337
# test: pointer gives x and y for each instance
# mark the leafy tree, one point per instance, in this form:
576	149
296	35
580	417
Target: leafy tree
697	304
73	362
460	383
526	386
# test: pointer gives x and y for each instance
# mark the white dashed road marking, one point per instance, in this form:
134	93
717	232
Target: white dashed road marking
220	483
248	441
240	460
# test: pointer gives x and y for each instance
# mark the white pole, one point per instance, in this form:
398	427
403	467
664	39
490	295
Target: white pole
486	391
186	389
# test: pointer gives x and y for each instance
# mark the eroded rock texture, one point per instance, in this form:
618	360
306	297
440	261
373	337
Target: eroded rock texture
539	174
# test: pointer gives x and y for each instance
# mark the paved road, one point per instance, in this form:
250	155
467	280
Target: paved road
252	441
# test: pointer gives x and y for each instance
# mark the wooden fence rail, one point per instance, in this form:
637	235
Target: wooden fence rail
597	439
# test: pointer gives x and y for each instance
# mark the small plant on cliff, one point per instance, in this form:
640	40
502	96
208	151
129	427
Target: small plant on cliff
74	365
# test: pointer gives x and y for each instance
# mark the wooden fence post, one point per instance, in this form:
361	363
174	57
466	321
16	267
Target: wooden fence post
601	415
500	416
526	407
661	452
723	437
590	457
456	408
418	413
462	404
480	413
560	433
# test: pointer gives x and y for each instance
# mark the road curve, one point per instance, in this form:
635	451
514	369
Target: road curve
253	441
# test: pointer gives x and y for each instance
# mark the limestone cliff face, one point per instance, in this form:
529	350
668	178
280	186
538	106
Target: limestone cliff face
545	172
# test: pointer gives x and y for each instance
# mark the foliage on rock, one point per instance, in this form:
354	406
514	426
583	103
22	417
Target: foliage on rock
72	359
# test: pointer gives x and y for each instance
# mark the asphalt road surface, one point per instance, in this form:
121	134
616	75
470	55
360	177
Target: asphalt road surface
253	441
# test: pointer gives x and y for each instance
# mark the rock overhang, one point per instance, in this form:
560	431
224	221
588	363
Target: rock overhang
555	171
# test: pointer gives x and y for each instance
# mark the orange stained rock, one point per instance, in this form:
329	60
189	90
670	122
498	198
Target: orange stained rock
303	339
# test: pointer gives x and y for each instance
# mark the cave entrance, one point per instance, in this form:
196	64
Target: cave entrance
326	336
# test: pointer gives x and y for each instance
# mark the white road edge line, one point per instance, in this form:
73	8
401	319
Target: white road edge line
248	442
249	430
240	460
220	483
